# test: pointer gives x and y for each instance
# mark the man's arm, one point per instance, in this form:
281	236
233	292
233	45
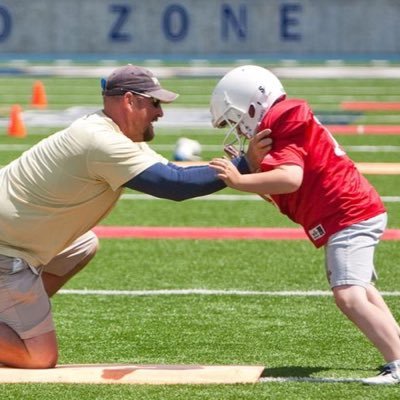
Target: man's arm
181	183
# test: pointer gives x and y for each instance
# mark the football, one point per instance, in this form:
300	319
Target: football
187	150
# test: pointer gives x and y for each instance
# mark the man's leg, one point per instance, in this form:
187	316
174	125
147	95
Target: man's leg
24	342
69	262
27	337
37	352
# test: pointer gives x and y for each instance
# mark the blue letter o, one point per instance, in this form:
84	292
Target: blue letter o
180	31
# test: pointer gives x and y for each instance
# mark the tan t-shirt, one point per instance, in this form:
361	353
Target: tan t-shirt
63	186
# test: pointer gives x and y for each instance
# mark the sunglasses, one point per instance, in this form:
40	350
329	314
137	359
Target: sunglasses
120	91
155	102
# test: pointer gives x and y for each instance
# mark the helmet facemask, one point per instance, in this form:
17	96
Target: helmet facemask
243	124
234	138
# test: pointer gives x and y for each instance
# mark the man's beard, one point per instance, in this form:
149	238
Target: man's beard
148	134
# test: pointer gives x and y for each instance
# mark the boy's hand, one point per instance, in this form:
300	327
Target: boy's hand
226	171
259	146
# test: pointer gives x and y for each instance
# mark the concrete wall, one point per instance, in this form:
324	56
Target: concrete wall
200	27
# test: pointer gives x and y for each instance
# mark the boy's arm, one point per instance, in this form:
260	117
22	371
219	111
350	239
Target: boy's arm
286	178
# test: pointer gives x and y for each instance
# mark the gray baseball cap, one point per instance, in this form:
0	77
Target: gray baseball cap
132	78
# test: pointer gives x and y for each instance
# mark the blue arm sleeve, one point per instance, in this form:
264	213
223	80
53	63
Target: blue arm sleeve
178	183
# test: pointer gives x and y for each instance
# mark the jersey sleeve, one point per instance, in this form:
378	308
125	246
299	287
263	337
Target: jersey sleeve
116	159
289	129
176	183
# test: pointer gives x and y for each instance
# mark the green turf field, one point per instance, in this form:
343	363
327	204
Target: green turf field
293	335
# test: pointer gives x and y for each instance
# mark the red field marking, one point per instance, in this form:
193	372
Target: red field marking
364	129
211	233
370	105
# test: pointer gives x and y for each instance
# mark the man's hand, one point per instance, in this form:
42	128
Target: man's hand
259	146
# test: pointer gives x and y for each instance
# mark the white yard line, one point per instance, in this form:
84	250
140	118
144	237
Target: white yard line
206	292
228	197
308	379
14	147
354	149
211	147
373	149
211	197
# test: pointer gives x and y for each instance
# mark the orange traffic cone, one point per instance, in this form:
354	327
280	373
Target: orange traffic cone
39	98
16	127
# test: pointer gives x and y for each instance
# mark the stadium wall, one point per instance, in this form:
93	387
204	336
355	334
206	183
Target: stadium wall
200	27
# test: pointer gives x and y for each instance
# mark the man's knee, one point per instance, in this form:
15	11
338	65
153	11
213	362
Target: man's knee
39	352
74	257
42	350
44	360
85	247
93	246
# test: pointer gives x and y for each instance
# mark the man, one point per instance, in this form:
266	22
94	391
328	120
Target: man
62	187
312	181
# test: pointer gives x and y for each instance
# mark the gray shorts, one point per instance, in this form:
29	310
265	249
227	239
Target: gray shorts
349	253
24	304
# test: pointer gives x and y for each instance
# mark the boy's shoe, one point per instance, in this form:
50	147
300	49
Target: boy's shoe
390	375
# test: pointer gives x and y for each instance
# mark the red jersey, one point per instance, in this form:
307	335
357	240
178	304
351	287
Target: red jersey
333	194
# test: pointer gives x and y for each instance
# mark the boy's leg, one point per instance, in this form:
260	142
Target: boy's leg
376	298
350	270
376	324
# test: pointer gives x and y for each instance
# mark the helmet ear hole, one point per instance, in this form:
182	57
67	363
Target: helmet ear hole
251	111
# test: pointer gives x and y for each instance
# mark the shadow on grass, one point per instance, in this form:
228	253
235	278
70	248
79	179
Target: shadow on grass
298	371
292	371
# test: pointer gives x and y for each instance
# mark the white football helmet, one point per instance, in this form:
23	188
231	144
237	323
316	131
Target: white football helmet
241	99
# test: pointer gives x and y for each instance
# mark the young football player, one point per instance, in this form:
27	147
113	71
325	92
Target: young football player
309	177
